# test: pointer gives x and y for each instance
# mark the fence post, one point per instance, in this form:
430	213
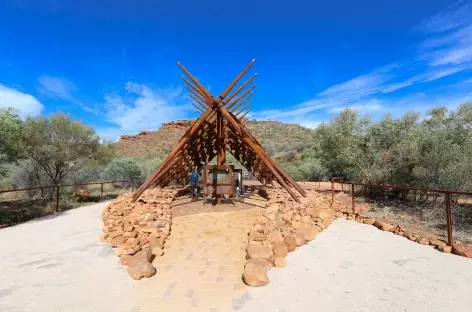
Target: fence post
57	198
342	186
449	218
101	191
353	199
332	192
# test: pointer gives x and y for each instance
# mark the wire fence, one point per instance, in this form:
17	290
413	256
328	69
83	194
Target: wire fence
23	204
430	207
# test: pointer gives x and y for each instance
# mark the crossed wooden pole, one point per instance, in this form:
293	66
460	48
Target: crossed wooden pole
218	127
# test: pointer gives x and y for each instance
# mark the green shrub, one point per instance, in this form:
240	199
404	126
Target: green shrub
124	169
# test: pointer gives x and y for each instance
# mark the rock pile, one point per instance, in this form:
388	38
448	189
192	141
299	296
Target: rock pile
283	226
139	230
82	195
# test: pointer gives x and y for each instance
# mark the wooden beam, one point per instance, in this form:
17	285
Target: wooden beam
279	169
195	93
208	96
194	87
203	104
235	80
257	148
243	109
239	105
176	149
198	108
238	98
232	95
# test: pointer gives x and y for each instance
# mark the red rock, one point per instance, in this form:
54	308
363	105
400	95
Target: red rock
157	251
386	227
438	243
257	250
254	274
291	243
256	236
313	212
410	236
377	223
272	209
262	220
125	259
309	231
140	269
300	239
114	234
445	249
422	241
462	251
133	234
127	249
369	221
275	237
117	241
265	263
128	227
280	250
280	262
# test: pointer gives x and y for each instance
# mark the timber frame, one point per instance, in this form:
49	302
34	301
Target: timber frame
219	129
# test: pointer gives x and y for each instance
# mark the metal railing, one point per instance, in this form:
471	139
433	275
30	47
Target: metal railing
447	197
59	186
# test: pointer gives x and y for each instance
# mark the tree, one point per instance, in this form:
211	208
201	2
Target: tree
59	146
123	169
10	134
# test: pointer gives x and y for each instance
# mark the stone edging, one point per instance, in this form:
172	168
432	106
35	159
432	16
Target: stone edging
400	230
283	226
139	230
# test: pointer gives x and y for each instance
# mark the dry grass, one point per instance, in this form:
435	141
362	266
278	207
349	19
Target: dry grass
19	207
425	217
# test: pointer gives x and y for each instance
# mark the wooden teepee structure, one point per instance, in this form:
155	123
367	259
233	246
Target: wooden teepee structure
217	130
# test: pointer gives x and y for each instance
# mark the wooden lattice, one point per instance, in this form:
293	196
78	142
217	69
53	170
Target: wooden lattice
219	129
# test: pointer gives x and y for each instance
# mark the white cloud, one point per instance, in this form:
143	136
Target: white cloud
142	108
58	87
372	105
26	104
61	88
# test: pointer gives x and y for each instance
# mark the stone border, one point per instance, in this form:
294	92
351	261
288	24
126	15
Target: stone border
400	230
139	230
283	226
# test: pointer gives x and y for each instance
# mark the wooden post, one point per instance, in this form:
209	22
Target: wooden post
57	198
101	191
449	218
332	192
353	199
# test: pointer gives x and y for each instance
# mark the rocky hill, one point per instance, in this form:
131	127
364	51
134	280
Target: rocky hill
284	141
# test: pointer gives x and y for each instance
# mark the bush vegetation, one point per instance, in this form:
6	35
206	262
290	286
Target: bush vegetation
435	151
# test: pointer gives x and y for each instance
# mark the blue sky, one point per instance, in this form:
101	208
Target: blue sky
112	64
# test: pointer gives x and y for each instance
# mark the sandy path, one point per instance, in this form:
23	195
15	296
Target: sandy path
58	264
355	267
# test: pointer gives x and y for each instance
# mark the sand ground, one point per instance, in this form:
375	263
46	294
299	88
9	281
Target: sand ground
58	264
